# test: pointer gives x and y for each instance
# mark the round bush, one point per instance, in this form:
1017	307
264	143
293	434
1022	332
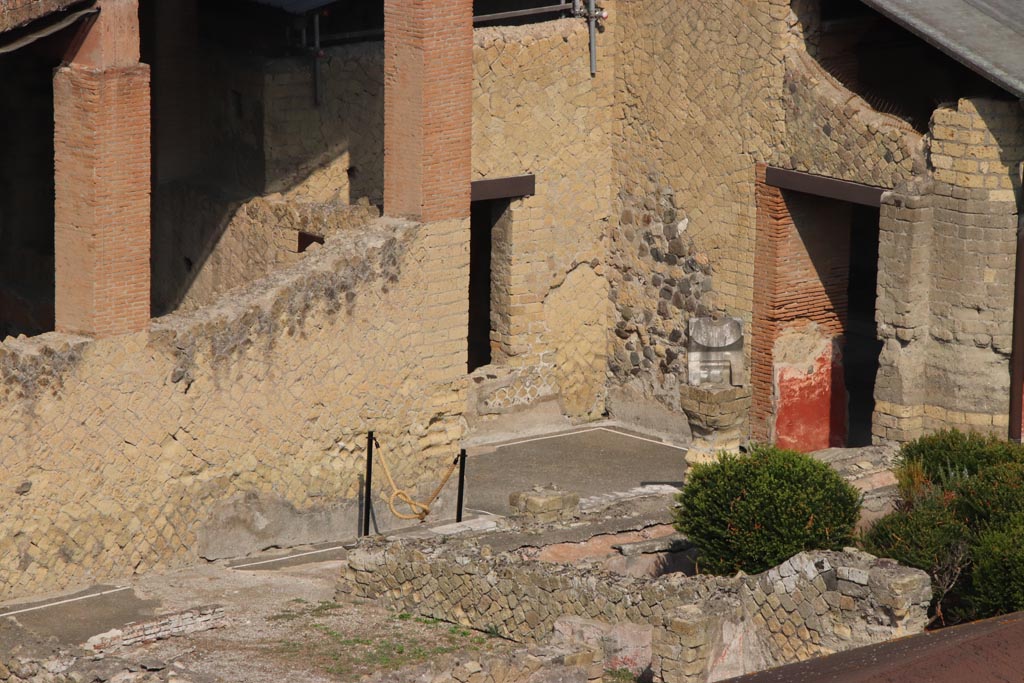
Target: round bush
950	455
928	536
751	512
998	573
992	497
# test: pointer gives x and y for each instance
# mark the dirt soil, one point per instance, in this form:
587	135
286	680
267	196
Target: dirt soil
285	625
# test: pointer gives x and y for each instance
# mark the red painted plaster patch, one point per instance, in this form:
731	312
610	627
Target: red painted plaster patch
811	404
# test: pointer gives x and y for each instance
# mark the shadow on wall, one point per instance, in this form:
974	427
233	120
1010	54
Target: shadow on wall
260	133
858	46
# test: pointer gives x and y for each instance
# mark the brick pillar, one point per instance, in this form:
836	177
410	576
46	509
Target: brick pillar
801	265
428	109
102	179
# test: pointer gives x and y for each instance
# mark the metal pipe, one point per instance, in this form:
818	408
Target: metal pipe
549	9
368	483
1017	346
377	34
462	485
592	23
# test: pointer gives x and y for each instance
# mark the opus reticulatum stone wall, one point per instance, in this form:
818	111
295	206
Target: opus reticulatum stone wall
699	628
239	426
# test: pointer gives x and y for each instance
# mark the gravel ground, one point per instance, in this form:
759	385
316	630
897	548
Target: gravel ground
284	625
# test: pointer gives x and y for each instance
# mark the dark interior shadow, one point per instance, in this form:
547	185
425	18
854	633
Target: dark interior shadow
27	269
260	130
859	47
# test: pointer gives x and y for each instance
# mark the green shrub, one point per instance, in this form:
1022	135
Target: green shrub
950	455
928	536
962	501
998	575
992	497
751	512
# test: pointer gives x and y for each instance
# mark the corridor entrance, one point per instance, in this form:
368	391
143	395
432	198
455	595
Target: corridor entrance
815	349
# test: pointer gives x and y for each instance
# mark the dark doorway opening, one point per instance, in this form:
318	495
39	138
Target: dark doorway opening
484	216
862	346
27	191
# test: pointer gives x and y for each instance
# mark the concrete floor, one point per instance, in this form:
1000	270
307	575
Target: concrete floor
589	461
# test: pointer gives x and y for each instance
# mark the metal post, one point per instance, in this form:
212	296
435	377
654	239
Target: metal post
592	23
369	481
462	485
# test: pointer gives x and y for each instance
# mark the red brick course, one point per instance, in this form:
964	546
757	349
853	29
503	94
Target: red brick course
792	291
428	108
102	211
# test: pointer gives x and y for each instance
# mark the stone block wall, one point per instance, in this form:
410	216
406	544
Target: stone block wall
205	245
703	627
537	110
239	426
946	277
696	107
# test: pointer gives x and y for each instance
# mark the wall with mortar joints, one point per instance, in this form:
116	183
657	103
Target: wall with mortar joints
946	277
131	453
686	136
834	133
537	110
813	604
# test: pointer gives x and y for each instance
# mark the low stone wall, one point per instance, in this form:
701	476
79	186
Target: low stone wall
702	627
151	630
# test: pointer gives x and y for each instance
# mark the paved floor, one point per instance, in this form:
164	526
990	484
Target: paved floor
589	461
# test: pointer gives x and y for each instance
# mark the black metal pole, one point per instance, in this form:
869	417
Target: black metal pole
369	481
462	485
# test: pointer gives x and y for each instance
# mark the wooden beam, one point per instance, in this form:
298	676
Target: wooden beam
511	187
822	186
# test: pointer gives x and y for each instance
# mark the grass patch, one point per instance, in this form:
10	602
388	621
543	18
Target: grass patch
349	646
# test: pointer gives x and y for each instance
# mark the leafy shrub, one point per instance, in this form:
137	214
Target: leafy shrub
950	455
993	497
751	512
929	536
998	575
962	504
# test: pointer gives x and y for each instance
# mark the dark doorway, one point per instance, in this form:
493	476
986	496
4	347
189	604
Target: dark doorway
27	191
484	216
862	347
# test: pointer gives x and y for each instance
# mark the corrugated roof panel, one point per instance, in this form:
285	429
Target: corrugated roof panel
987	36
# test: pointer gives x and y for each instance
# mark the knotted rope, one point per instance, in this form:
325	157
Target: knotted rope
402	495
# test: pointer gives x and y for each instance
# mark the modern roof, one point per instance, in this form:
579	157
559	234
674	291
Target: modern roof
981	651
986	36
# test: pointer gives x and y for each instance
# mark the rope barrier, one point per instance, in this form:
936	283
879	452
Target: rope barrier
402	495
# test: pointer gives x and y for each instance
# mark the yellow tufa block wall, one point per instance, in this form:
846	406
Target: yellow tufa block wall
537	110
121	455
947	257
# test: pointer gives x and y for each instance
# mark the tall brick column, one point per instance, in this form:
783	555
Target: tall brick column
428	108
102	179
